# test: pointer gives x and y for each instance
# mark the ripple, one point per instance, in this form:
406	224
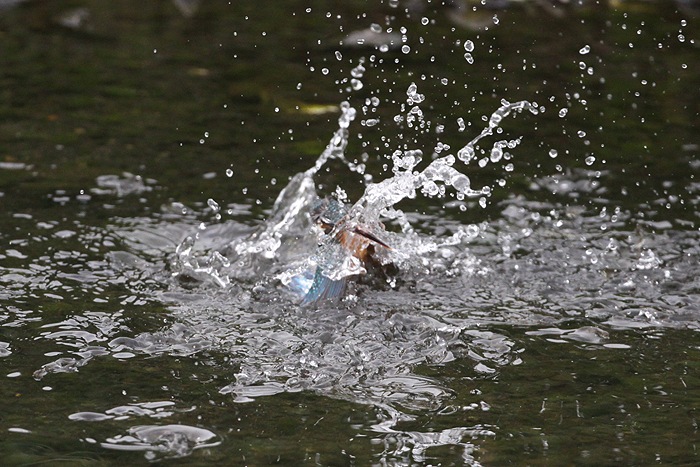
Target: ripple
166	441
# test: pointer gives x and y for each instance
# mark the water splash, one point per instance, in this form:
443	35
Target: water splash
285	245
163	441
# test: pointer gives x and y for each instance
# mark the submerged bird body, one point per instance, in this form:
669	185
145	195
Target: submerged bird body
359	248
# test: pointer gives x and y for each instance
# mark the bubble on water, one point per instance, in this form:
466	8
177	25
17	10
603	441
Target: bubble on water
563	112
590	160
424	21
553	153
469	58
405	48
469	45
325	71
581	133
229	173
585	49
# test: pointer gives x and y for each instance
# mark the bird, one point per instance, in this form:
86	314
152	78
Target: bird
358	247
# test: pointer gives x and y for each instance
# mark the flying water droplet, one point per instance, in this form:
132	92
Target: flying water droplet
213	205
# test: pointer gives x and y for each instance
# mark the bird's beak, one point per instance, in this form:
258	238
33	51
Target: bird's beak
370	236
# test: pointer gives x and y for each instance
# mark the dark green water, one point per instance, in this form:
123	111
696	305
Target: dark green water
564	331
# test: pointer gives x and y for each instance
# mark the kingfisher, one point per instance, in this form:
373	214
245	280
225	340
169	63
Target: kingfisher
360	250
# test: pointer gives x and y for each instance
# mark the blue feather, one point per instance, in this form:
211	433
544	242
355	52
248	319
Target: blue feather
324	288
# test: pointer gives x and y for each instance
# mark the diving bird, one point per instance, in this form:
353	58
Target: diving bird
360	247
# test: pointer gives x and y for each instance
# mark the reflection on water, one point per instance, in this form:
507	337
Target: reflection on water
545	306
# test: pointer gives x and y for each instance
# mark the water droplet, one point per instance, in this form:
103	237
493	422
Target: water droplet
585	49
424	21
590	160
213	205
325	71
563	112
469	46
461	124
229	173
468	57
405	49
553	153
358	71
338	55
